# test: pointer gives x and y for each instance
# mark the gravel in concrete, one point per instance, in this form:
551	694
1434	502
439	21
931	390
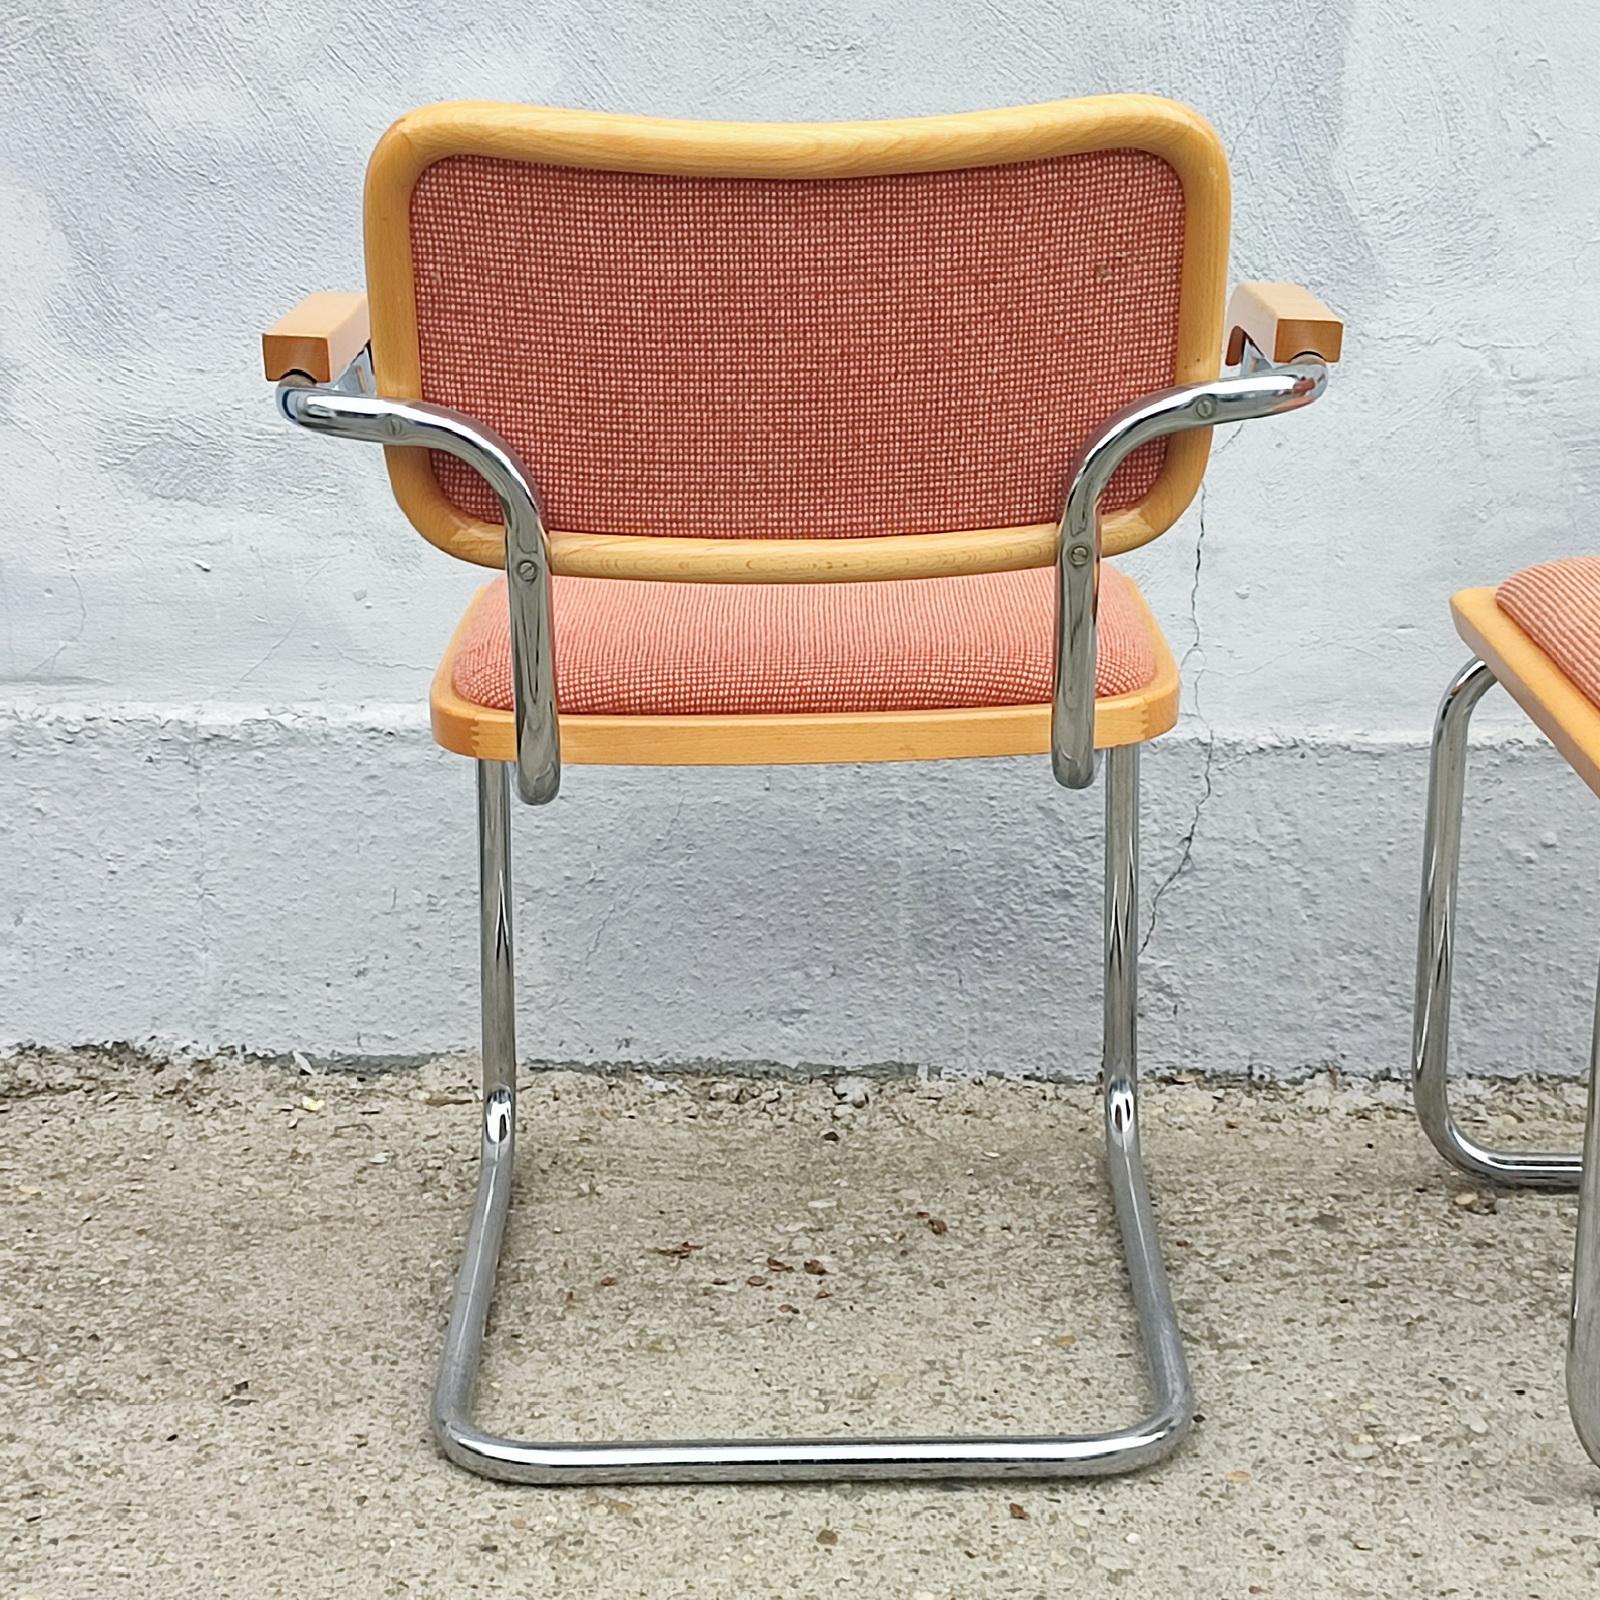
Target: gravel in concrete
222	1288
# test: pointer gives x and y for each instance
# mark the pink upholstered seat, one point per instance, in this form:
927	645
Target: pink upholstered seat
683	649
1557	604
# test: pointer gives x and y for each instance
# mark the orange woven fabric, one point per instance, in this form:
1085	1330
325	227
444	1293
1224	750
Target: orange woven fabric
1557	605
743	357
624	647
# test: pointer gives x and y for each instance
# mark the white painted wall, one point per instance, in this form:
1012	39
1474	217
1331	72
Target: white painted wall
221	820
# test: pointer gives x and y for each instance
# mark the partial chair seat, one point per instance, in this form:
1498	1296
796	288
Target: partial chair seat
1557	604
745	672
1539	632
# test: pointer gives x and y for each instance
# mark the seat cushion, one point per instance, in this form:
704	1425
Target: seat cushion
1557	604
629	648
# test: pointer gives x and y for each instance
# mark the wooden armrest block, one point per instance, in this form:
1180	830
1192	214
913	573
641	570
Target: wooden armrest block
1282	321
320	337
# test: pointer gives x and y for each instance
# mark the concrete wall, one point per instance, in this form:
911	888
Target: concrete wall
221	820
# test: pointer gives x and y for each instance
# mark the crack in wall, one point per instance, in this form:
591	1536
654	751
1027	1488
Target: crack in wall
615	910
1195	649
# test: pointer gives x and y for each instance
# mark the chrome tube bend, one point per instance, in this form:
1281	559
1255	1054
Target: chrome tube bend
1435	974
1261	391
1156	1434
346	413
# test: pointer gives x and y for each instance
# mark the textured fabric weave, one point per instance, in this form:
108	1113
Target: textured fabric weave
1558	606
662	649
742	357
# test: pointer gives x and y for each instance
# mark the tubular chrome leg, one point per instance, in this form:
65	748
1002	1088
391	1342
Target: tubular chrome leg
469	1307
771	1460
1441	851
1583	1334
1119	1085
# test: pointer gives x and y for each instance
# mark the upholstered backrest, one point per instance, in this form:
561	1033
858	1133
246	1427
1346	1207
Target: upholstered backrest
781	336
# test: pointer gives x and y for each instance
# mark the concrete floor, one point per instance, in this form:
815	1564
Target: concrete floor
222	1289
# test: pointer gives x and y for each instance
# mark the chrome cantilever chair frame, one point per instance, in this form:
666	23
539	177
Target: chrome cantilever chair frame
347	409
1548	1170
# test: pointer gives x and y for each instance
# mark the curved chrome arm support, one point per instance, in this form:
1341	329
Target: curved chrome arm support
1257	390
345	410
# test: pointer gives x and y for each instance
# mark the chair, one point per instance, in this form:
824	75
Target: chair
1538	634
800	443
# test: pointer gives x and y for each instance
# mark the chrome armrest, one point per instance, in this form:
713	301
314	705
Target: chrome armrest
1259	389
348	409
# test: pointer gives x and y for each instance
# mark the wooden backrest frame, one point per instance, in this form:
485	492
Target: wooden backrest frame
1179	136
